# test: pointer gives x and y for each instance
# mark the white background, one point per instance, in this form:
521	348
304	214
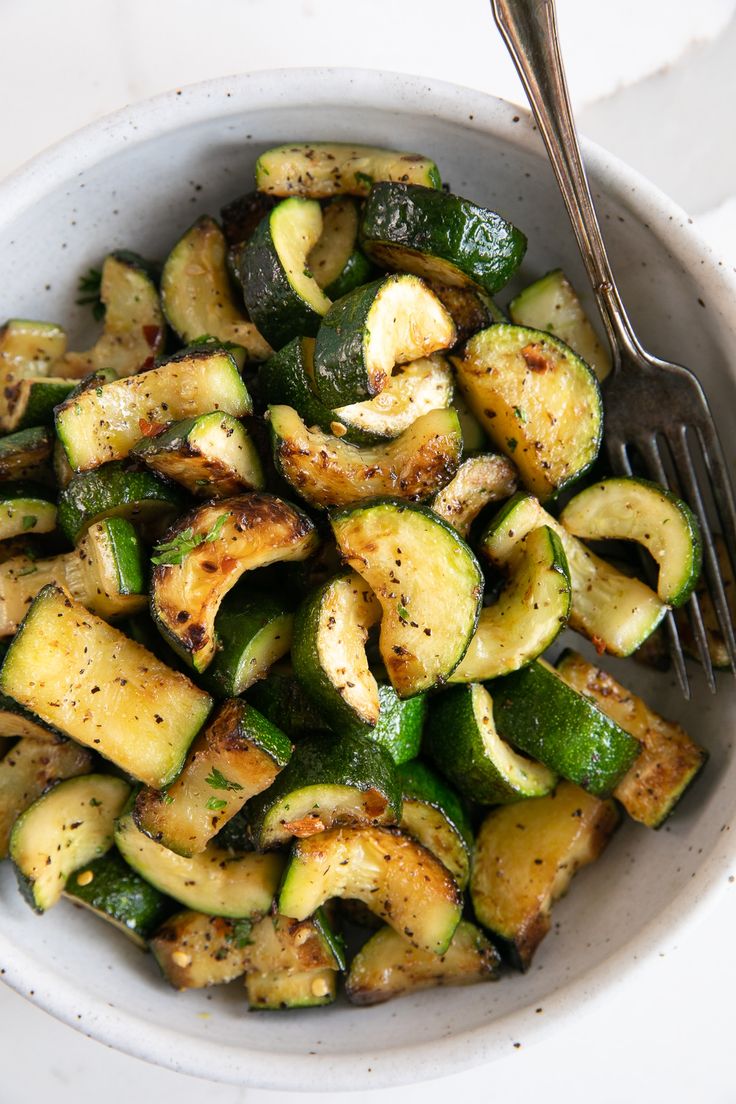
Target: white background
652	80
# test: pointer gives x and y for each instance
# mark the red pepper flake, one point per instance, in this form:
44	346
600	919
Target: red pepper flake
150	429
227	563
536	358
599	644
152	334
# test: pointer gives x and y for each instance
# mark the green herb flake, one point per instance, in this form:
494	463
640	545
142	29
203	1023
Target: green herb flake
29	522
520	414
240	933
218	781
364	178
175	551
216	803
89	289
167	798
511	444
94	803
402	612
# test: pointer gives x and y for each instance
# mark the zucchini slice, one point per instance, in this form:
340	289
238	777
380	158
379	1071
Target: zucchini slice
113	491
280	293
323	169
196	295
105	422
29	348
254	631
462	741
470	308
413	390
31	766
328	650
669	761
25	508
134	328
204	555
387	966
292	964
536	711
211	455
194	950
528	616
61	831
637	510
526	855
552	304
538	402
615	611
329	472
478	481
329	781
433	814
335	261
398	729
440	236
237	755
105	573
427	580
364	335
283	700
474	438
218	881
31	402
397	878
111	890
24	455
102	689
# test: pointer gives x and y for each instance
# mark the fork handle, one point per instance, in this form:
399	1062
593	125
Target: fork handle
529	28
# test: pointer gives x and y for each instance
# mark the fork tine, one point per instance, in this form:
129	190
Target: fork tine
701	640
678	443
721	487
649	450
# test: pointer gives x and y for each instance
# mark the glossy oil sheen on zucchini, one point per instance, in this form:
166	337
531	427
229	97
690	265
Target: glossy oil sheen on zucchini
110	889
323	169
427	580
526	856
205	554
538	402
108	693
114	490
328	472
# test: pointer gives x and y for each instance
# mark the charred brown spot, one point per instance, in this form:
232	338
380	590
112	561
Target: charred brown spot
537	360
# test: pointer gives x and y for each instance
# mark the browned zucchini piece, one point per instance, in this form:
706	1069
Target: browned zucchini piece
477	482
236	756
669	761
389	966
194	950
204	555
526	855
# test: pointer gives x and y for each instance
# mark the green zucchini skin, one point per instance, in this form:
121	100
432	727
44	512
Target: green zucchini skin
439	235
434	815
282	699
25	453
358	270
400	723
113	490
337	264
284	380
279	308
329	781
537	712
253	631
461	740
117	894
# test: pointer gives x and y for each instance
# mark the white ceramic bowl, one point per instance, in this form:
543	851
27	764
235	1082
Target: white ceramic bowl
136	180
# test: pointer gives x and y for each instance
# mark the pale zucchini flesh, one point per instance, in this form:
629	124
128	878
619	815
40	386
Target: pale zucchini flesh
97	686
25	509
478	481
328	472
323	169
427	580
66	827
414	389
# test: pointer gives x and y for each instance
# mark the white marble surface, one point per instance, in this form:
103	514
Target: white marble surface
654	82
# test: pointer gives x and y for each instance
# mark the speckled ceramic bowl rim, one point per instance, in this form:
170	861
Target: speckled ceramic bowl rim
486	114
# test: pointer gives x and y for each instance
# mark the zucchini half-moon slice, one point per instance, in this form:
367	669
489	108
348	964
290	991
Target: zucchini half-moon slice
397	878
328	650
134	327
526	855
196	295
336	261
637	510
323	169
26	508
204	555
433	814
364	335
111	890
478	481
69	825
438	235
613	610
237	755
528	616
281	295
329	472
427	580
388	966
23	455
538	402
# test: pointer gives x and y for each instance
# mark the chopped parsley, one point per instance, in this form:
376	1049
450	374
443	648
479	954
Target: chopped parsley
89	289
240	933
402	612
178	548
29	522
218	781
216	803
520	414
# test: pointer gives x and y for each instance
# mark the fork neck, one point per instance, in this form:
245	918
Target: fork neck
529	28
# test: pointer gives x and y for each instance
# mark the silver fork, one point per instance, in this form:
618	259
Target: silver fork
652	407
